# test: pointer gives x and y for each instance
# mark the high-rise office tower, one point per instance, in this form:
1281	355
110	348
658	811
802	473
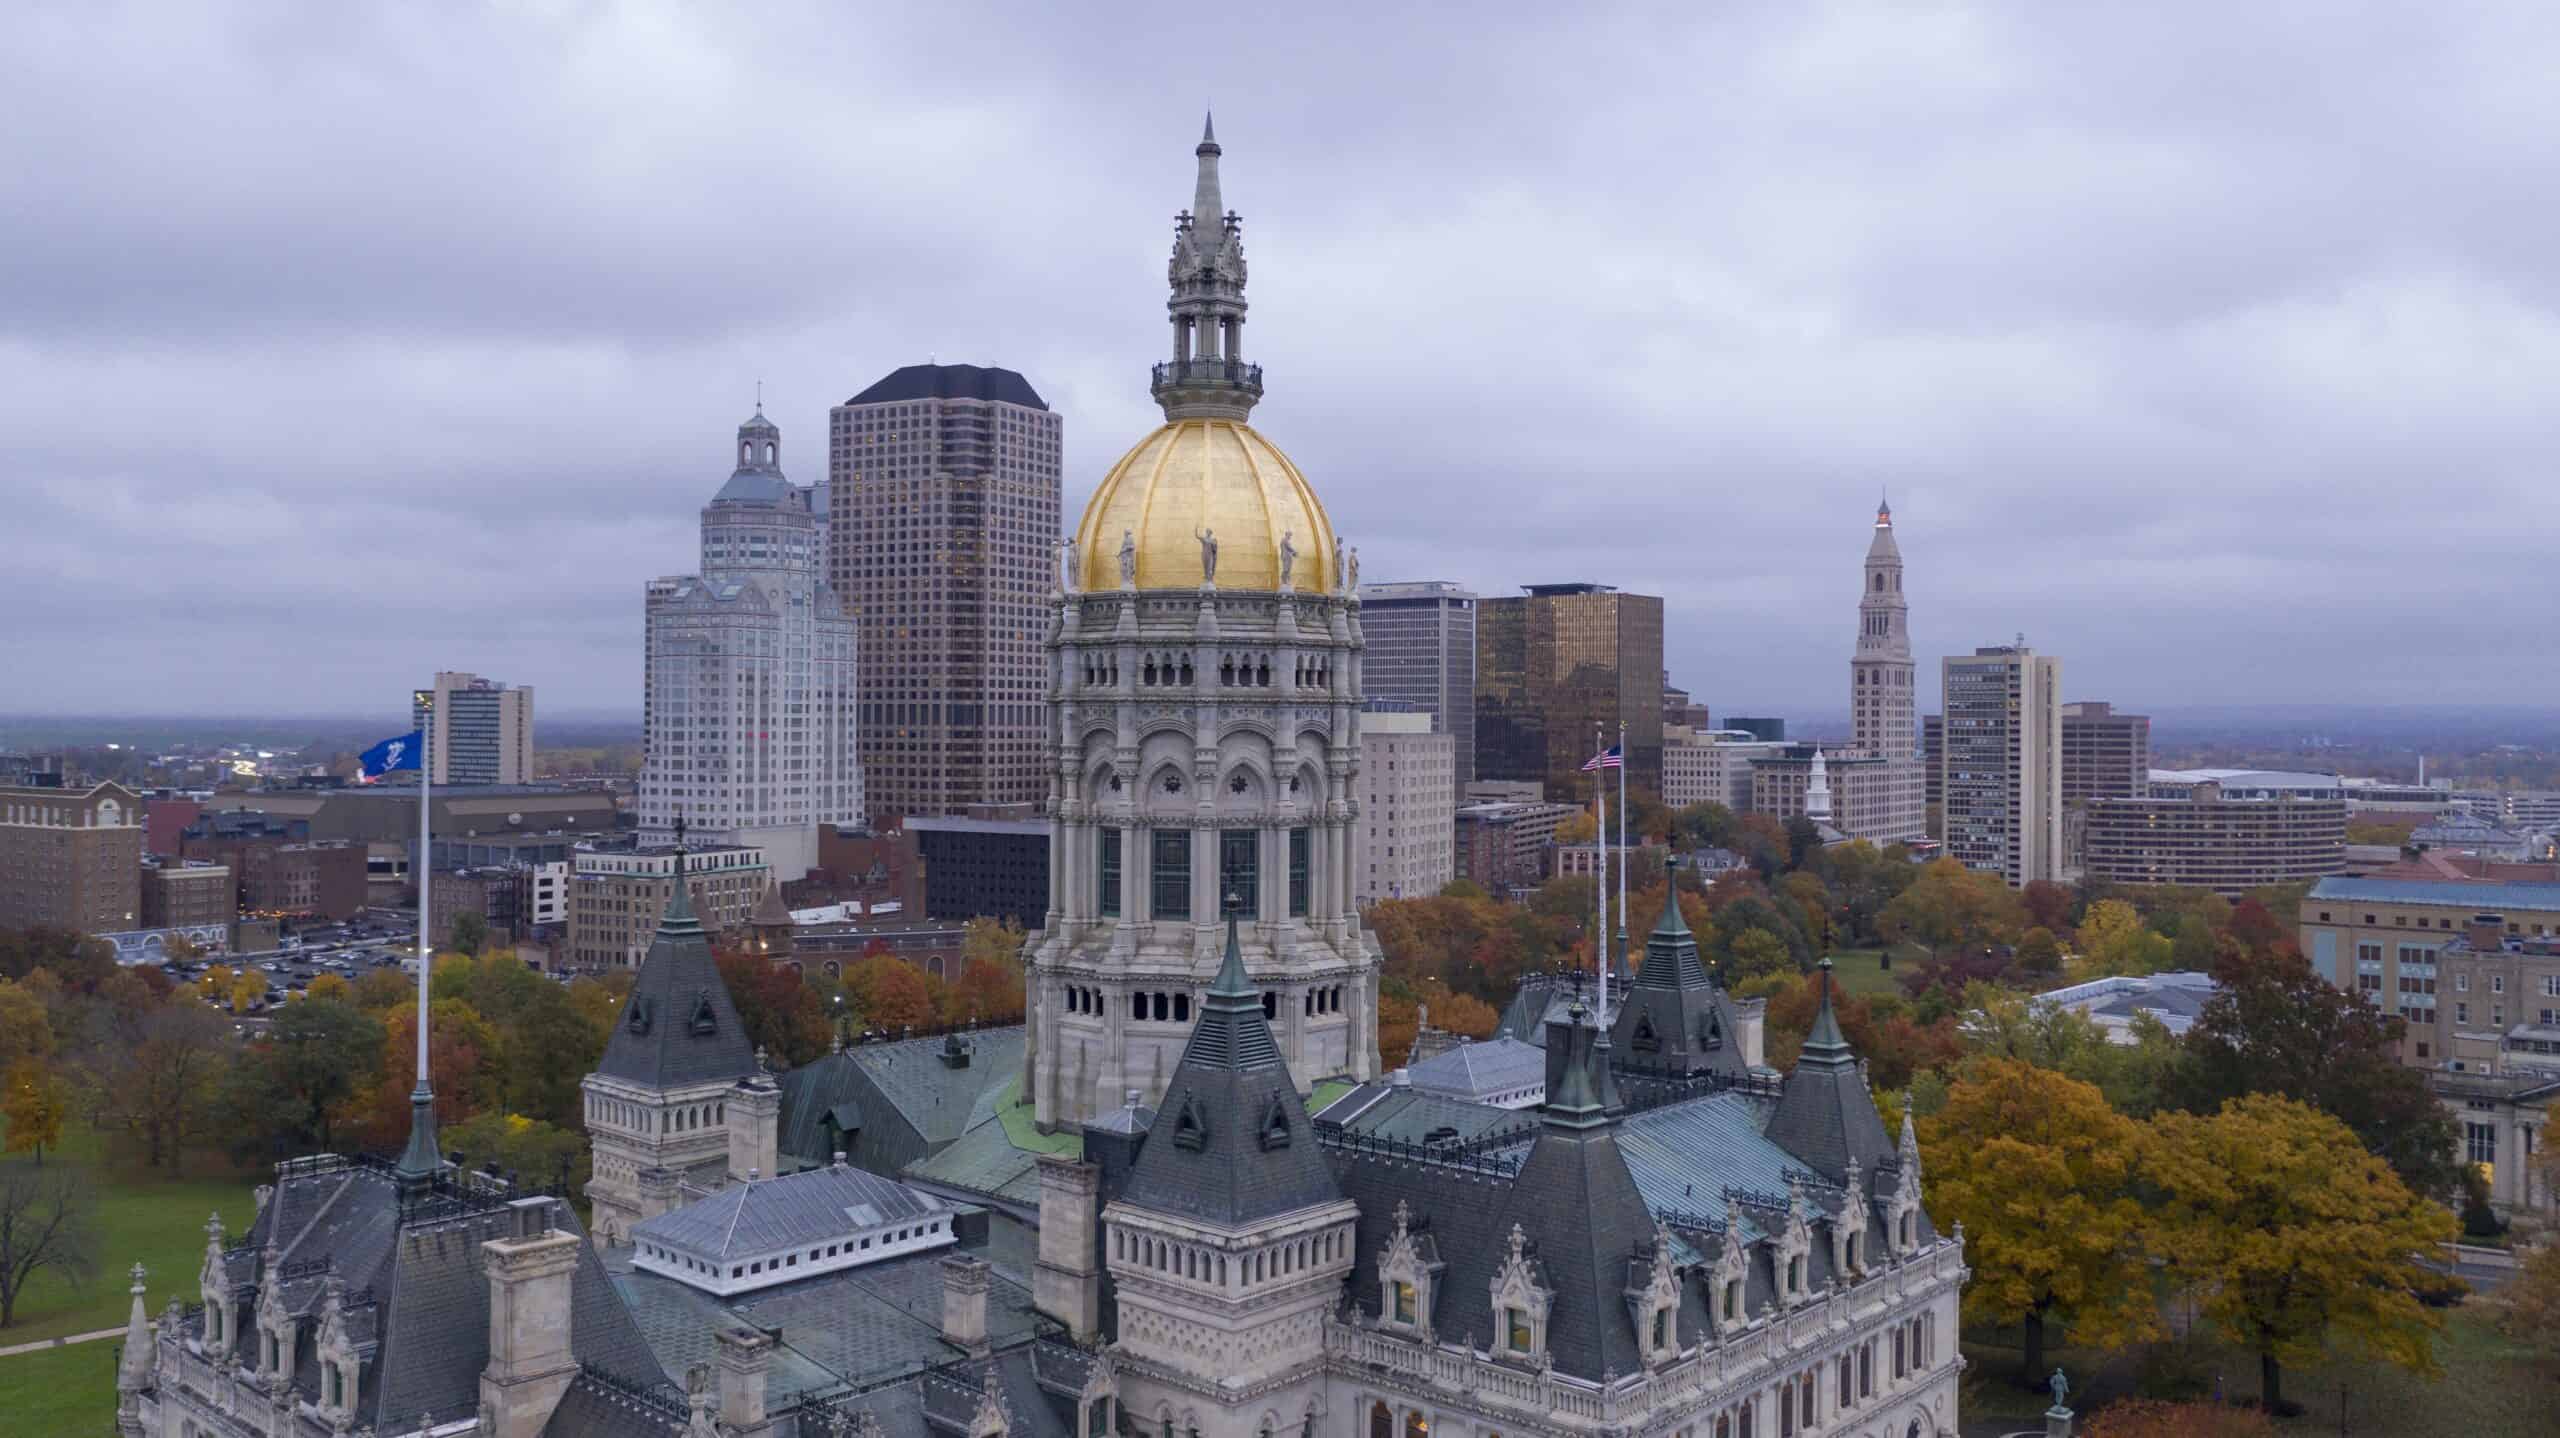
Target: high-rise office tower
2002	758
1882	701
1422	652
943	544
748	692
2105	755
478	731
1559	665
1208	737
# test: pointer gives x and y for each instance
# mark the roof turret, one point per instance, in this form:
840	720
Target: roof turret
1825	1116
678	1026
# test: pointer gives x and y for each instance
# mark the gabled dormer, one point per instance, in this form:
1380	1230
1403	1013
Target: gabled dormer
1409	1272
1653	1301
1729	1281
1523	1301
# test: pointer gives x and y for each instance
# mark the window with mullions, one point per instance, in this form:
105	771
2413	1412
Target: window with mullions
1300	843
1172	875
1240	871
1108	904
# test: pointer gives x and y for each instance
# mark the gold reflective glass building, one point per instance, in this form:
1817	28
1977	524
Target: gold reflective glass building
1559	664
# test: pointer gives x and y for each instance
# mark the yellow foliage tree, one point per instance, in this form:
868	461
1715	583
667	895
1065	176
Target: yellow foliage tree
2113	940
216	983
2529	1306
329	986
33	1101
2040	1172
248	990
1578	829
26	1025
2290	1232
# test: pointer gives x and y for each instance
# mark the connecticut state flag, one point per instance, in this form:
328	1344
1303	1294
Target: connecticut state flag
390	754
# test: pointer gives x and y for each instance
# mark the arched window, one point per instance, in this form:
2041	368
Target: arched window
1415	1425
1382	1424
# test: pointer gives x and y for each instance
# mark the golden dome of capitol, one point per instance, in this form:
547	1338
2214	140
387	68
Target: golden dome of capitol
1216	476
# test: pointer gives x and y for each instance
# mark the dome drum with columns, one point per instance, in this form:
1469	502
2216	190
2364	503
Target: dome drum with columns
1204	705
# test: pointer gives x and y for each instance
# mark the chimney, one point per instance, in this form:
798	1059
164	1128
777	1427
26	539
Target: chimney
2487	933
964	1304
755	1120
745	1353
530	1364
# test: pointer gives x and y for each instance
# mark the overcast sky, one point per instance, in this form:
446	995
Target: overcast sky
2210	346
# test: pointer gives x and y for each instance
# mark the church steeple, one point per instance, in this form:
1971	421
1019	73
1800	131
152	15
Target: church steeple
1207	377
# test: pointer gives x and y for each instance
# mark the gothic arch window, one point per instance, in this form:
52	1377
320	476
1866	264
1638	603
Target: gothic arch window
1382	1424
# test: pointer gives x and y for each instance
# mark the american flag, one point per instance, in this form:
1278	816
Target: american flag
1606	759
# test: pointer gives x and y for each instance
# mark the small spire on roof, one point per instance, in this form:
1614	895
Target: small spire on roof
1209	130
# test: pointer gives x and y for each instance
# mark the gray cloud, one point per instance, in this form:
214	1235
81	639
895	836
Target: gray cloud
2213	349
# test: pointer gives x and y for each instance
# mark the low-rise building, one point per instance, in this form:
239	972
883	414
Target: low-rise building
2228	830
1408	807
1869	793
187	893
1504	846
615	897
313	880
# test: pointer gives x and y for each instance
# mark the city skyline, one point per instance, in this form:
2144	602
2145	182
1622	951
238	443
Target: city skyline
2113	346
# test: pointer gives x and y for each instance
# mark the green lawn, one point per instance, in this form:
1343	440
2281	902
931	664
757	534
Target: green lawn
158	1222
69	1390
2489	1388
1858	973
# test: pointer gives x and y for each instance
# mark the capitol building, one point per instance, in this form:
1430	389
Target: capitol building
1181	1202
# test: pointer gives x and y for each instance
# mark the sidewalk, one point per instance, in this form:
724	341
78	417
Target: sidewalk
59	1342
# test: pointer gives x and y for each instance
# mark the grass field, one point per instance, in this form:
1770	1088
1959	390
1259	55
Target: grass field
1858	973
70	1390
2489	1388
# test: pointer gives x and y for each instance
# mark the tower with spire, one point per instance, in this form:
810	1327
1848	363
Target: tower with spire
1205	718
1886	802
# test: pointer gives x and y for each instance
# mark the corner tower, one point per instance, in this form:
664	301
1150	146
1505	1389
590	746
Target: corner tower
1204	709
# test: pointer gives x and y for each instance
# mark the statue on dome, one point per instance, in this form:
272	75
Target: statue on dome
1128	559
1068	583
1351	572
1208	555
1288	557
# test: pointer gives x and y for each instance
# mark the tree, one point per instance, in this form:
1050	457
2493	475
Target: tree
2274	1026
782	1014
248	990
469	934
2113	940
2138	1078
2154	1418
33	1100
988	990
316	1053
2039	953
2041	1174
2050	906
994	941
2290	1233
1705	825
1578	828
2195	945
1804	841
179	949
331	987
891	993
1464	1014
151	1074
1812	900
1951	906
2529	1309
1758	953
26	1025
1399	1019
47	1225
1463	889
536	1153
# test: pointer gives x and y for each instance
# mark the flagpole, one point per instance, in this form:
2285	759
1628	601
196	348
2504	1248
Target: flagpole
1622	833
1600	845
424	872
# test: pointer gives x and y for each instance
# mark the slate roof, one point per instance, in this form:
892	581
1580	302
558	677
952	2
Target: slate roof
903	1099
1825	1116
679	1026
1231	1143
1409	1115
1675	1018
1478	1071
794	1210
412	1283
952	381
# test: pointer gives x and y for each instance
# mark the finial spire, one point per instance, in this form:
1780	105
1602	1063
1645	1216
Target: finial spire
1209	130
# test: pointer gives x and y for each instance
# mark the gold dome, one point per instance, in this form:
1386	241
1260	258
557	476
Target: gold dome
1205	474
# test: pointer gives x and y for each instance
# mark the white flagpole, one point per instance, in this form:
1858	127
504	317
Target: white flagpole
1623	910
423	870
1600	845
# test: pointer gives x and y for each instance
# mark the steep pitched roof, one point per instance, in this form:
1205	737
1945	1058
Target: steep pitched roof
1231	1143
679	1026
1674	1017
1825	1116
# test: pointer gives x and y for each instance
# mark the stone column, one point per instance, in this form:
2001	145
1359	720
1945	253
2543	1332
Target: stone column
745	1354
1066	1284
964	1304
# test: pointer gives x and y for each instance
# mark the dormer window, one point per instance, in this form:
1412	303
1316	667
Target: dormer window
1521	1296
1191	1127
1519	1335
1732	1308
1405	1310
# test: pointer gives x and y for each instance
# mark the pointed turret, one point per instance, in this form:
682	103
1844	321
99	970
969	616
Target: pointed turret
679	1025
1825	1116
133	1370
1208	206
1674	1020
1207	378
1231	1143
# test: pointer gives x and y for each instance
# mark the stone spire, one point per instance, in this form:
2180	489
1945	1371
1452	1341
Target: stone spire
134	1370
1817	792
1231	1143
1674	1019
1825	1116
1207	377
